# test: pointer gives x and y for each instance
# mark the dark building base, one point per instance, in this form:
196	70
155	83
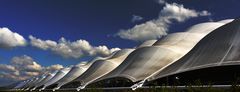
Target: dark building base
221	75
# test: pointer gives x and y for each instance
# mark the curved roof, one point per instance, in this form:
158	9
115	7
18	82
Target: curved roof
203	45
47	78
60	74
145	61
147	43
102	67
76	71
221	47
115	56
226	21
31	81
26	84
38	79
21	84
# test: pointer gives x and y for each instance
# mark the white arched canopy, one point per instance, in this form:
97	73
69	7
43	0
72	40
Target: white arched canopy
103	67
75	72
145	61
60	74
48	77
219	48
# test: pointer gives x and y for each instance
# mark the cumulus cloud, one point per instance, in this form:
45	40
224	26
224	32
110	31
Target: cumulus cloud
136	18
53	68
7	68
157	28
205	13
10	39
32	73
161	1
24	67
26	63
68	49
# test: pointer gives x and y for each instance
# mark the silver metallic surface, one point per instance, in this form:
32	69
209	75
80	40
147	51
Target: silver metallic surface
102	67
75	72
28	84
60	74
145	61
219	48
21	84
48	77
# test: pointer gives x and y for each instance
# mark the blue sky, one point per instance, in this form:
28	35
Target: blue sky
96	21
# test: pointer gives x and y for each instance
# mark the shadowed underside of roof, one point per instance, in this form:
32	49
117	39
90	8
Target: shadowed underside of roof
219	75
112	82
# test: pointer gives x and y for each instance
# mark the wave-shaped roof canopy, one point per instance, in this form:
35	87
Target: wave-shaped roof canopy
209	44
46	79
76	71
221	47
60	74
102	67
30	83
145	61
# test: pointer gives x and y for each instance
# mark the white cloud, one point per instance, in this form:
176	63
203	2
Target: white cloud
104	51
10	39
26	63
24	67
205	13
53	67
142	32
70	49
157	28
161	1
136	18
32	73
7	68
42	44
